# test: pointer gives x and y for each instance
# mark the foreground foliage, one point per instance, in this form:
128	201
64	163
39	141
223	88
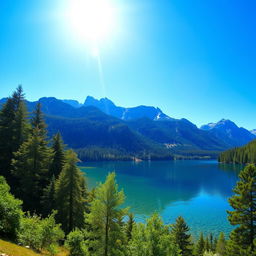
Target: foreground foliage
244	214
10	211
105	220
40	233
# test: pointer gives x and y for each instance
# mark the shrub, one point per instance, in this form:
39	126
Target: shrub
10	211
76	244
40	233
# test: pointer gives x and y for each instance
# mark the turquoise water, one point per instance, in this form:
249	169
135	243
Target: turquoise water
197	190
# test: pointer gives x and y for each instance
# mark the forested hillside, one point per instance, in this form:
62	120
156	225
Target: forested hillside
241	155
145	132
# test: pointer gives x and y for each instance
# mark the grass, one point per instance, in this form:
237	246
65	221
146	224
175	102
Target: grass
12	249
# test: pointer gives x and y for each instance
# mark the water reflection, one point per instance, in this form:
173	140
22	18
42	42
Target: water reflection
152	186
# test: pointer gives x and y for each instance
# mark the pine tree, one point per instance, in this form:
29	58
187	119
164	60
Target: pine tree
200	246
30	167
106	236
215	240
207	245
58	156
221	245
13	131
244	205
37	120
69	194
159	240
21	125
129	226
48	199
182	238
235	249
152	238
211	241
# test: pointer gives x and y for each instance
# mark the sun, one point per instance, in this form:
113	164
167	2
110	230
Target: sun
91	20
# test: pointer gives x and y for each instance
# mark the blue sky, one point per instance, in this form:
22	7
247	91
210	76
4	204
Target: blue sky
193	59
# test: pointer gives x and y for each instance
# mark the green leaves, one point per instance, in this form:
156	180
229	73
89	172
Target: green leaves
13	131
76	243
30	167
181	236
69	194
243	155
244	214
40	233
152	238
105	233
10	211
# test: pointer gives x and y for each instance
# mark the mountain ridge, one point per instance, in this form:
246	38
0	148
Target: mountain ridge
139	134
229	132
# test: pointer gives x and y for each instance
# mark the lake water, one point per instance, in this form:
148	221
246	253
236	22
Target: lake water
197	190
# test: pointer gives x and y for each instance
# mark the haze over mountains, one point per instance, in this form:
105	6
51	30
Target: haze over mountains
101	127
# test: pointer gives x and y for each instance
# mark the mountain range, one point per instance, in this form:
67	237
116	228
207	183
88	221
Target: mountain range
108	107
98	129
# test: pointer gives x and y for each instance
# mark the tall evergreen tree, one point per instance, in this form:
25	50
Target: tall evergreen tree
30	167
69	194
211	241
207	245
129	226
200	246
37	120
31	164
106	235
13	131
48	198
181	237
58	156
244	213
221	245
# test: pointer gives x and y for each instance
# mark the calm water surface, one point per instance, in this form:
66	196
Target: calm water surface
197	190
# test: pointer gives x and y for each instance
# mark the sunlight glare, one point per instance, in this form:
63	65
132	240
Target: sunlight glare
91	20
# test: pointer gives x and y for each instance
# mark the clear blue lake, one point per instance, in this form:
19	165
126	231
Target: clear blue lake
198	190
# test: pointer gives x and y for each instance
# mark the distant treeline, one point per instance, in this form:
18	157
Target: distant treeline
94	153
241	155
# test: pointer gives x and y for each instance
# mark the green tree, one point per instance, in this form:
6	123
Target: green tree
69	194
244	213
58	156
181	237
31	164
30	167
40	233
13	131
10	211
48	198
200	246
75	242
37	120
106	236
211	241
129	226
207	245
153	238
221	245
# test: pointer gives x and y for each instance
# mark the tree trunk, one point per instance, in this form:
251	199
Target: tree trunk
106	237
